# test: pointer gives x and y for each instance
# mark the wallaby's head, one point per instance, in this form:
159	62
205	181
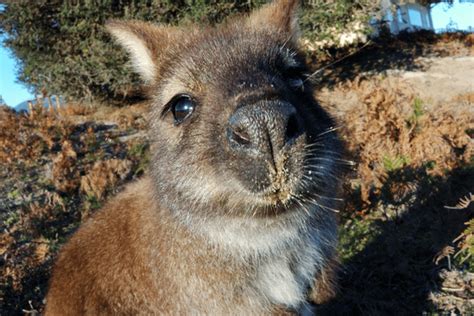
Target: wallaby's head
235	130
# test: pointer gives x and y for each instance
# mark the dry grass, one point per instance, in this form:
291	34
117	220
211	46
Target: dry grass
57	167
397	239
390	129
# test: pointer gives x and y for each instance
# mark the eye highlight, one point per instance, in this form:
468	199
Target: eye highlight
182	106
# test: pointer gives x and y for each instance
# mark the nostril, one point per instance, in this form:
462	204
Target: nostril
293	128
239	136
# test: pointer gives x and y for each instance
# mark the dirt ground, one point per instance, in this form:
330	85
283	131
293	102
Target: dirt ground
436	80
405	109
443	78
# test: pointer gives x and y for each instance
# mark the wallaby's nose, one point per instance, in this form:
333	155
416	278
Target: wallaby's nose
262	129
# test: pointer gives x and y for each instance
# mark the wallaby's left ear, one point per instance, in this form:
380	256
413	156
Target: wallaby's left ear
146	43
281	15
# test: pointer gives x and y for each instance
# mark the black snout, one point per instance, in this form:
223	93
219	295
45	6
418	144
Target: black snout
262	129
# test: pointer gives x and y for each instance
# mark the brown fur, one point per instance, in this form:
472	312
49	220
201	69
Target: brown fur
325	283
213	229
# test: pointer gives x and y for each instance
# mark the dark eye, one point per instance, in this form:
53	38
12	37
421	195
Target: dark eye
182	108
296	77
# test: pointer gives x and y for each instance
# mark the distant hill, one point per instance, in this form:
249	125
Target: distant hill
23	106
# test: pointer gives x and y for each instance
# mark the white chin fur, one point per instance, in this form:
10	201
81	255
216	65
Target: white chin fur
287	254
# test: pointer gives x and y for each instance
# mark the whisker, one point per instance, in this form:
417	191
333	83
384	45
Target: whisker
297	200
328	174
336	160
327	197
337	61
329	130
286	42
314	202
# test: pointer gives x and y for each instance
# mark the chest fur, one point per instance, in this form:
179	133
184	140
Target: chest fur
266	267
281	281
286	279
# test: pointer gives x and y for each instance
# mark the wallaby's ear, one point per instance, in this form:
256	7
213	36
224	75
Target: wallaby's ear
281	15
145	43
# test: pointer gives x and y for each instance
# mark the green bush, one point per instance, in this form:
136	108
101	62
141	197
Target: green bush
63	48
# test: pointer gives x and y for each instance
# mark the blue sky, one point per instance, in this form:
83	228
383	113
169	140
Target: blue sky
462	14
13	92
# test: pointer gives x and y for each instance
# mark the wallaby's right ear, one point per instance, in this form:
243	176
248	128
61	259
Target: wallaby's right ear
281	15
145	43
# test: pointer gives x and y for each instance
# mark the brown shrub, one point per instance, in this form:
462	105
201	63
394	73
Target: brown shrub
56	167
104	175
470	39
65	173
465	97
26	137
387	127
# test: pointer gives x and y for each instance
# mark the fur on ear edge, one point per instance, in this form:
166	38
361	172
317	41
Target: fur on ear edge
280	14
140	54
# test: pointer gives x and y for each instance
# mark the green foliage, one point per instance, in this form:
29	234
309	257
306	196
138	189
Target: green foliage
391	164
92	202
466	253
141	153
322	20
354	236
429	165
414	119
11	219
417	108
63	48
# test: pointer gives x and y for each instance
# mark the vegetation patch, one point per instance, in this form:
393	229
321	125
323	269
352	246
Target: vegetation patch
406	234
57	168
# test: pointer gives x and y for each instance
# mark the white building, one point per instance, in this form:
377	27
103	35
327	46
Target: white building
406	15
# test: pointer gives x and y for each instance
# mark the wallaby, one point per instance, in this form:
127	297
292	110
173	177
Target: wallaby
236	215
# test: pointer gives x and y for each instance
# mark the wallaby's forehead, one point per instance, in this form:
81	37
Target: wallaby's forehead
224	56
